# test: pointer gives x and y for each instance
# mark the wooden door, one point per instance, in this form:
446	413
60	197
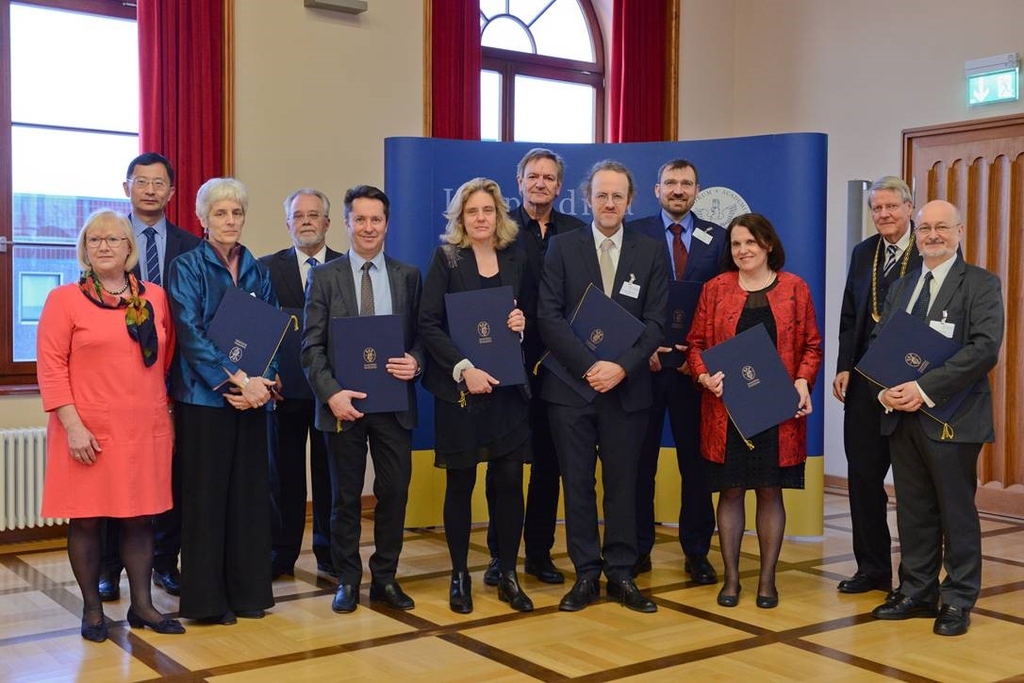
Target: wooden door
979	167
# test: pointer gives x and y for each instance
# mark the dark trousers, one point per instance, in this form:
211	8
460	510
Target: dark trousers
390	447
673	392
166	532
287	430
868	459
936	515
542	491
582	435
225	511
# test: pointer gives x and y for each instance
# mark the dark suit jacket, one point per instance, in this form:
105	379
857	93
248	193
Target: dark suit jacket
703	262
284	275
330	293
855	321
532	248
455	270
571	264
971	298
178	242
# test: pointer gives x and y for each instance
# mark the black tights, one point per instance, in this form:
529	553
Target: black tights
771	526
84	551
508	511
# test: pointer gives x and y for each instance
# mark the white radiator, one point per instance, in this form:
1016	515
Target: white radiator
22	464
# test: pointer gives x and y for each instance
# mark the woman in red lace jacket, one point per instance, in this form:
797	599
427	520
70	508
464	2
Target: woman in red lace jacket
753	290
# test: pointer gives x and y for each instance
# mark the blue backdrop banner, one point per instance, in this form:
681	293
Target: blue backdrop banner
780	176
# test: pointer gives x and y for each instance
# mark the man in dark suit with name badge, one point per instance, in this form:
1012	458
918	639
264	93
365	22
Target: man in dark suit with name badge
149	185
934	464
307	215
630	268
693	252
364	282
876	263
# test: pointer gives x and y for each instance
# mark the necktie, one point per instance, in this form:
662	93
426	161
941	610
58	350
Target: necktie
312	263
890	259
366	292
152	257
920	308
607	269
679	253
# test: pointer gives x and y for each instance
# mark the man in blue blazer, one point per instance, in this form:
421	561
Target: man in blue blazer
631	270
336	290
308	217
149	185
693	252
935	465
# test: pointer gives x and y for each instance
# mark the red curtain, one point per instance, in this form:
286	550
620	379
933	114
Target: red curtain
637	74
181	108
455	69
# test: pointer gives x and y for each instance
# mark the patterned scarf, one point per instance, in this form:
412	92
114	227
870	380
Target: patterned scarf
138	312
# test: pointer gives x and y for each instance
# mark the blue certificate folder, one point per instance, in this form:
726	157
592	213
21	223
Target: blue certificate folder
248	330
478	325
758	391
605	327
682	304
362	346
904	350
289	365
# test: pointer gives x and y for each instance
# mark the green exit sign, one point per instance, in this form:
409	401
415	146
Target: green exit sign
1001	86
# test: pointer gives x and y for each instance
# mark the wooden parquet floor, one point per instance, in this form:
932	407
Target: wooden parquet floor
816	634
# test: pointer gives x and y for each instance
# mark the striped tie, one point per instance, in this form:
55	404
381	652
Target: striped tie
890	259
152	257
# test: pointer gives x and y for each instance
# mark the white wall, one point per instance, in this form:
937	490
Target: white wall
859	71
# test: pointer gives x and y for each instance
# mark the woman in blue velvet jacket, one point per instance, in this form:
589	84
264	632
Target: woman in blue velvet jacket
221	423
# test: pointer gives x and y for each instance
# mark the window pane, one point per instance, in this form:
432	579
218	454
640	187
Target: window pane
562	32
490	105
567	113
35	270
506	34
73	69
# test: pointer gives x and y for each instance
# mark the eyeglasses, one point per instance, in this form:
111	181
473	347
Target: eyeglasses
940	229
603	197
142	183
300	216
688	184
112	242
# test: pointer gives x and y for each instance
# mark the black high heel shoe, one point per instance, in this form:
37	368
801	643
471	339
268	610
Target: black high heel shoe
460	595
165	625
97	633
510	592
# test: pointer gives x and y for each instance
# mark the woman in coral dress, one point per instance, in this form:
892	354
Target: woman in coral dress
104	348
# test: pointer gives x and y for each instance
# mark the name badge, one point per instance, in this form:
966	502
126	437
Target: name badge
702	235
630	288
942	327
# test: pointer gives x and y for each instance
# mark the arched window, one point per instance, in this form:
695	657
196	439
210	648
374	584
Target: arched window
542	71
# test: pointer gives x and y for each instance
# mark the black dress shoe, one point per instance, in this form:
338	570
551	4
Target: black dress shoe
545	570
905	608
642	564
729	600
492	573
952	621
170	581
626	592
767	601
97	633
250	613
862	583
277	571
345	598
510	592
328	569
700	570
165	625
226	619
110	587
391	594
460	594
579	596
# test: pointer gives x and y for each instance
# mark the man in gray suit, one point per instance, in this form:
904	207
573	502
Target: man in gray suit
364	282
935	465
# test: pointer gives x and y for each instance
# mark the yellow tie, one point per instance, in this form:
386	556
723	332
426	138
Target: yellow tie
607	269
